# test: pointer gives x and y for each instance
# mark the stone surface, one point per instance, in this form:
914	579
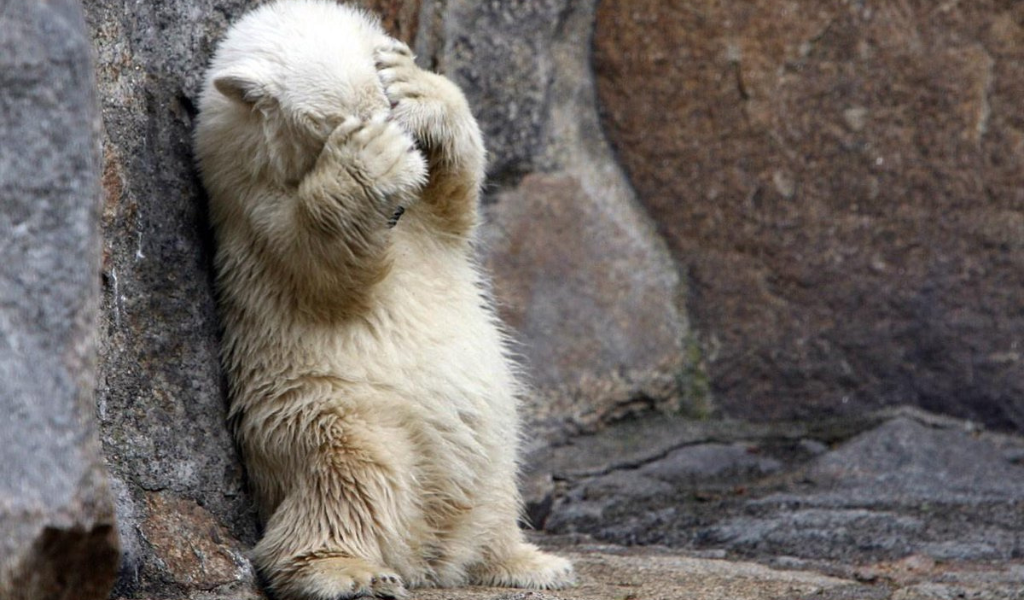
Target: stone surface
840	183
193	548
616	573
400	17
939	489
597	326
499	53
906	461
57	535
900	489
609	573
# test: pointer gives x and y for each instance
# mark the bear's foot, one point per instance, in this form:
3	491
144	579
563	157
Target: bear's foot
527	567
335	577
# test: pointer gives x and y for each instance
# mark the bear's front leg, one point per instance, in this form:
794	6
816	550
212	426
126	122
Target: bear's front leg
435	112
365	171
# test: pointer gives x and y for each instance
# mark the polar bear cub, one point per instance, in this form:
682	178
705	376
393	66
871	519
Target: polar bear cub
371	393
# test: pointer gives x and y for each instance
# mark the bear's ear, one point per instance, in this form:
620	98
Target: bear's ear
242	86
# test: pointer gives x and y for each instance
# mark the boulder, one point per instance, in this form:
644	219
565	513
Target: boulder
577	284
57	533
161	398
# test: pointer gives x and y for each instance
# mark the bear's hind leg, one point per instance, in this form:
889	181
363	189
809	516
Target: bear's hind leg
342	527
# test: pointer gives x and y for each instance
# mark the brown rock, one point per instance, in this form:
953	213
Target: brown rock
196	551
583	278
401	18
841	182
67	562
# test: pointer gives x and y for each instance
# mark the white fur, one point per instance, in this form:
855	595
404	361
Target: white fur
371	392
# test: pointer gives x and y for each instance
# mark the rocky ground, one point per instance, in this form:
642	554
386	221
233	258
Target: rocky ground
895	505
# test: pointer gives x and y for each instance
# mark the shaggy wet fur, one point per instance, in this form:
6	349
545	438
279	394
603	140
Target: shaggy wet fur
371	393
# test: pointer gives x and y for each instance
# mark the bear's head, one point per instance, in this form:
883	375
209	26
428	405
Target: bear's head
273	95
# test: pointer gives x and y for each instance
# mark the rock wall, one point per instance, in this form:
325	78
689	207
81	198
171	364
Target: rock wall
56	511
840	184
183	513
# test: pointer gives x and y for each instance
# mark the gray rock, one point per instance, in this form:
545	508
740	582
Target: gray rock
652	490
161	399
907	462
948	493
817	533
576	280
57	535
500	54
913	485
710	462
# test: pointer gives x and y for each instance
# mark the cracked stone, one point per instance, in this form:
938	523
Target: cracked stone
938	488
